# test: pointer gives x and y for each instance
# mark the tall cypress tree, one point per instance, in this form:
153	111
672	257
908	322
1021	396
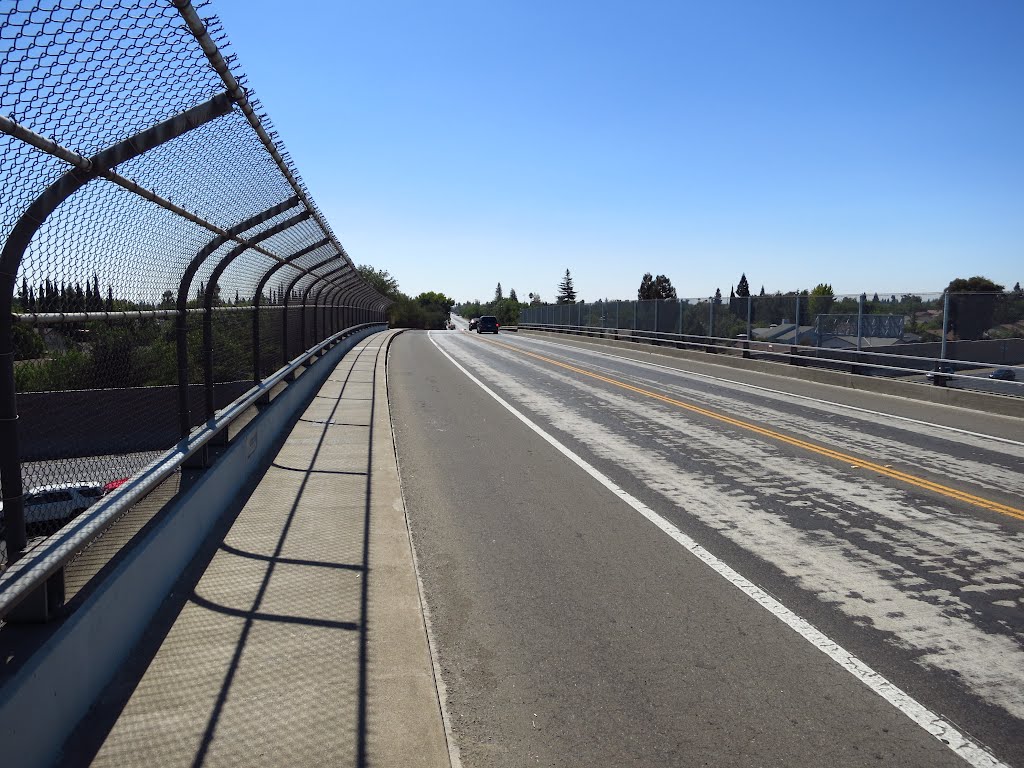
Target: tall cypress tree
566	291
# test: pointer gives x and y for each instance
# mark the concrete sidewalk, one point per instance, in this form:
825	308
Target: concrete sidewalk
301	641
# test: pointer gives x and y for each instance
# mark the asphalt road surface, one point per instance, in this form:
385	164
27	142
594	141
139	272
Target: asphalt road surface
681	564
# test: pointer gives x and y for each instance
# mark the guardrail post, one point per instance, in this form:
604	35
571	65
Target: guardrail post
796	332
711	323
10	461
860	320
945	323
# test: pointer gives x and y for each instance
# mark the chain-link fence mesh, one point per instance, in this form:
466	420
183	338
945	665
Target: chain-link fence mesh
131	159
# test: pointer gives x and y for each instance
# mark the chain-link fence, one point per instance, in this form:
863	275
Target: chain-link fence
160	253
971	339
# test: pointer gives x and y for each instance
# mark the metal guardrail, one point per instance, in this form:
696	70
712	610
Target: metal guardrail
155	238
29	574
851	361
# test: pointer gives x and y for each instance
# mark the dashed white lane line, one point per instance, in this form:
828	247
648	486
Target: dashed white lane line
968	750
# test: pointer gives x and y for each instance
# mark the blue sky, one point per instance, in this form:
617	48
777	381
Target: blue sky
874	146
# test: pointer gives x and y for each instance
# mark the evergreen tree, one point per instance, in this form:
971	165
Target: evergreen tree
498	295
654	288
512	295
566	291
646	290
762	291
663	288
110	299
743	288
718	296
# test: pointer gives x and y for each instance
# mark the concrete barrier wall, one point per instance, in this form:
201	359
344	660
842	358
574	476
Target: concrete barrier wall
44	701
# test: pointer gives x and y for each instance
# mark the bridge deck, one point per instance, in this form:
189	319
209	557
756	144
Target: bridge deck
300	641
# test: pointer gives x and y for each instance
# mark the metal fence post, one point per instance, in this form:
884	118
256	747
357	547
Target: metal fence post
746	342
945	324
796	331
860	320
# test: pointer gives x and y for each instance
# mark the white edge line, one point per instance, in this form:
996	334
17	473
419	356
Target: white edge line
774	391
964	747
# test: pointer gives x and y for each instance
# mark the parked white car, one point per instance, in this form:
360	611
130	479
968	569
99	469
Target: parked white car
52	505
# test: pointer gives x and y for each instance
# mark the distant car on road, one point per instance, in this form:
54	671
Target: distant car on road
1003	374
488	324
940	369
473	322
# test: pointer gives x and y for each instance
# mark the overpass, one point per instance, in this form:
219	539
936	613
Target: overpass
643	546
620	554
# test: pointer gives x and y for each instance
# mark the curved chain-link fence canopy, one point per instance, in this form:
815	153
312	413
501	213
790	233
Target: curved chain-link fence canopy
158	246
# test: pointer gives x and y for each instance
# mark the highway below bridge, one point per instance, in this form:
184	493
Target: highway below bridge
630	559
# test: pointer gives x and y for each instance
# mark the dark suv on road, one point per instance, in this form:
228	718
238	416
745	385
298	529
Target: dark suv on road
487	324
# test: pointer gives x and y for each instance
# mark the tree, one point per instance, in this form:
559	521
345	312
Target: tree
512	295
743	288
973	285
663	288
646	290
498	295
821	300
718	296
380	279
972	304
566	292
535	298
659	287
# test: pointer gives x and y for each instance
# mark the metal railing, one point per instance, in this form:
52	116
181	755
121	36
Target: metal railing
160	255
973	340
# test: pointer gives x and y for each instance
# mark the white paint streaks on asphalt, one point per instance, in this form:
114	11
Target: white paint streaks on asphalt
613	446
838	425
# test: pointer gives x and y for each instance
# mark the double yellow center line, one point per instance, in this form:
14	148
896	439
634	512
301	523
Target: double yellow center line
918	482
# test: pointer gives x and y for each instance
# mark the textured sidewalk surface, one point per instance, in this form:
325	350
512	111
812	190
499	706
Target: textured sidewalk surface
303	641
